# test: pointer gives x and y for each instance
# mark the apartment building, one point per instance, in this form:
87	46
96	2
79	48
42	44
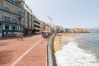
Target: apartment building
42	26
29	21
47	27
37	26
11	17
32	23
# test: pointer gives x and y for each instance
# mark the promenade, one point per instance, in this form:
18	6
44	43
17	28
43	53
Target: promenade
32	51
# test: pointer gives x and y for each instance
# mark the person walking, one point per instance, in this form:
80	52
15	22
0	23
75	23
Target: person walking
21	36
18	36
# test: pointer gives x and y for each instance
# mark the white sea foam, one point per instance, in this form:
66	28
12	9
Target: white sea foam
72	55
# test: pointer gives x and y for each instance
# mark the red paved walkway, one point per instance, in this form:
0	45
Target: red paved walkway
12	49
36	57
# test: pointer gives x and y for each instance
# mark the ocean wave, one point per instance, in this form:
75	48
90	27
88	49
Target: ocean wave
72	55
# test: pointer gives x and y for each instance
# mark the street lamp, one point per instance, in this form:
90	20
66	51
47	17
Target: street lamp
51	19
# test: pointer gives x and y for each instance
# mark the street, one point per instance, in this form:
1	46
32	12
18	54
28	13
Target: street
32	51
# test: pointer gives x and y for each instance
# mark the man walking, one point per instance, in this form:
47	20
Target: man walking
20	36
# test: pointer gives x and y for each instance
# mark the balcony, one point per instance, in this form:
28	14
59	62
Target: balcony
36	23
36	26
8	10
8	20
16	3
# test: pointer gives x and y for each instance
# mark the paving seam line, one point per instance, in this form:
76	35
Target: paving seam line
14	63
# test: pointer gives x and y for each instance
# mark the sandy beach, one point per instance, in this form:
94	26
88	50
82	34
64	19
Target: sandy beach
76	49
60	38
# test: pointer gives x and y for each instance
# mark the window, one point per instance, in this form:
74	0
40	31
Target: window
1	18
6	27
13	28
8	19
6	8
0	24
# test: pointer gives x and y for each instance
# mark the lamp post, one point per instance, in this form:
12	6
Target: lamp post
51	20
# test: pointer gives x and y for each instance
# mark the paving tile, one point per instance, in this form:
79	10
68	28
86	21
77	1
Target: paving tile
36	57
17	48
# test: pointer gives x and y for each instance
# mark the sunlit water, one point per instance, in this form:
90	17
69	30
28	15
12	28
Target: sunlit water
81	51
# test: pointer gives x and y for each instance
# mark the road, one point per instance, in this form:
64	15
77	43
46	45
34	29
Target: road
30	52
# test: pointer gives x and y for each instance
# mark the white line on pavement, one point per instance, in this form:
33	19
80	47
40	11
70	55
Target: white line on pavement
14	63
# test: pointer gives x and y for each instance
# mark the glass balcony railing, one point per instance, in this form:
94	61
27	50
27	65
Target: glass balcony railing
9	11
15	3
1	19
10	21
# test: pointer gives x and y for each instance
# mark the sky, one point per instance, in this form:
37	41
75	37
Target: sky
67	13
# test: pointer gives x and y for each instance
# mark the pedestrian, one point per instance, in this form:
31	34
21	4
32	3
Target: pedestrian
21	36
18	36
46	35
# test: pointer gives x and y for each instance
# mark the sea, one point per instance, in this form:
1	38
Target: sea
81	50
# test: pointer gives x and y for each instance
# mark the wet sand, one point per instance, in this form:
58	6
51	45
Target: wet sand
61	39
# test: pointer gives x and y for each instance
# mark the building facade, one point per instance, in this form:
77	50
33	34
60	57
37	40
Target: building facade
42	27
37	26
11	17
32	23
47	27
29	21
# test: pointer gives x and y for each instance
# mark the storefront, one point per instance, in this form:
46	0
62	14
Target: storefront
9	33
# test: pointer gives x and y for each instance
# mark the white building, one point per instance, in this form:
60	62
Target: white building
11	17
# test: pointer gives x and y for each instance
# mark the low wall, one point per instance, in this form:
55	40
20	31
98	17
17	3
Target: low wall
50	52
